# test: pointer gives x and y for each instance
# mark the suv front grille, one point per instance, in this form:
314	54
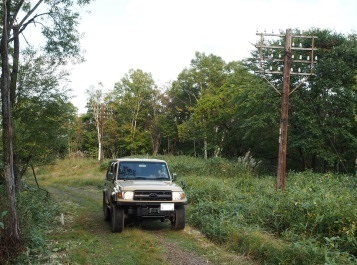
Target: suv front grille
150	195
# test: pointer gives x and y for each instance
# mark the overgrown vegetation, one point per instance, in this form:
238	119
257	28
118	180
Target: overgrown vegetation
37	211
313	222
38	214
213	109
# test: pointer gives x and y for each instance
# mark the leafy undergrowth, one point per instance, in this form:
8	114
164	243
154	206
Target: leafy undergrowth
75	232
312	222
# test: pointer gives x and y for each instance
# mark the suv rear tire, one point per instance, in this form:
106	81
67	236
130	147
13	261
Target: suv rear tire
117	219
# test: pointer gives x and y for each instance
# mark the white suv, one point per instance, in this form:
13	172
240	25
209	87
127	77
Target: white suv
142	188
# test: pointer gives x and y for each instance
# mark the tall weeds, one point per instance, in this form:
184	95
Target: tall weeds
313	222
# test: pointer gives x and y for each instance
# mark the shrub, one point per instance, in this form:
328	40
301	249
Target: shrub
37	212
313	222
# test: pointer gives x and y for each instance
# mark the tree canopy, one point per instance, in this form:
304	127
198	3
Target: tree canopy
218	108
33	91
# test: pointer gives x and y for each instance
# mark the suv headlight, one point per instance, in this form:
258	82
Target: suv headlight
178	195
125	195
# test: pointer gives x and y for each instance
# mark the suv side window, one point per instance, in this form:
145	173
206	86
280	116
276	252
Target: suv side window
115	167
112	171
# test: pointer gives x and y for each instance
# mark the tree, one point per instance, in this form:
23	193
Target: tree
7	139
100	113
323	135
42	112
134	103
254	105
195	85
58	22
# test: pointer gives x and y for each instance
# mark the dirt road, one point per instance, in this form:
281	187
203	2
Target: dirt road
81	236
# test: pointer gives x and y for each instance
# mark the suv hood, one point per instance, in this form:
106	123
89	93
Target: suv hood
148	185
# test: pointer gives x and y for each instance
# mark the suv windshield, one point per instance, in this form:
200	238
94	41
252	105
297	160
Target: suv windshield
138	170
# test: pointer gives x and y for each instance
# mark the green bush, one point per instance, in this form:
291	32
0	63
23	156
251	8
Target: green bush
312	222
37	211
215	167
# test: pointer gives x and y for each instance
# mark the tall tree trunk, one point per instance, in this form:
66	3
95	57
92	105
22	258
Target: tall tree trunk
205	144
8	156
194	148
156	141
13	84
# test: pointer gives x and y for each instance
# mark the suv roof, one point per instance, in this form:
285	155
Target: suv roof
137	159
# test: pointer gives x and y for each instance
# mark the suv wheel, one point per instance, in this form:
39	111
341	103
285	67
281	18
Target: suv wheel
178	221
106	210
117	219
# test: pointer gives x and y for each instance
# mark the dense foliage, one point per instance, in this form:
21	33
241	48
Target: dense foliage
313	222
34	109
214	109
220	109
37	212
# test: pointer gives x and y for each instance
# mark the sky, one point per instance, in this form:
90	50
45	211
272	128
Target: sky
161	37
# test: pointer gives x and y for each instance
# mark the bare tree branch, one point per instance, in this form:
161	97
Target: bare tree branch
30	13
35	177
32	20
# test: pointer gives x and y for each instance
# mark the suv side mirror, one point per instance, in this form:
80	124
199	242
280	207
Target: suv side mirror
110	176
174	176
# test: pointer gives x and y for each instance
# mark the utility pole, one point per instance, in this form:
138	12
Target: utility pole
288	61
284	117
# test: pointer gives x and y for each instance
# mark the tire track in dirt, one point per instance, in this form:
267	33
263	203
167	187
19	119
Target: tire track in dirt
85	209
177	255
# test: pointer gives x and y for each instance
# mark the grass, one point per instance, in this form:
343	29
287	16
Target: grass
313	222
86	239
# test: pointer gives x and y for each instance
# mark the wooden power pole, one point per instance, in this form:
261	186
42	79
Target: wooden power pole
284	115
288	60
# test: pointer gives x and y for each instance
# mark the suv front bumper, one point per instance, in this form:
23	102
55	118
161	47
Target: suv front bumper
148	209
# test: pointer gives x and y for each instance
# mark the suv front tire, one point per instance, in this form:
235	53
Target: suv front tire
117	219
178	220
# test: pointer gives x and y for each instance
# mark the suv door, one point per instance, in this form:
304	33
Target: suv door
109	180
